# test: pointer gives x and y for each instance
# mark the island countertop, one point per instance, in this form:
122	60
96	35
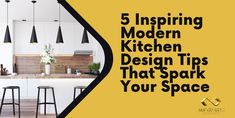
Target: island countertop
51	76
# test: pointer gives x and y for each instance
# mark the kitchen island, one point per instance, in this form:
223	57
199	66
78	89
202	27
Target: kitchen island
63	86
51	76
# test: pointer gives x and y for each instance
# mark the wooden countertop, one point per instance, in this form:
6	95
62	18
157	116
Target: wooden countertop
39	76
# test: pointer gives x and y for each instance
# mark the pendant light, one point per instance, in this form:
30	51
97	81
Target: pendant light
59	35
7	38
85	37
34	35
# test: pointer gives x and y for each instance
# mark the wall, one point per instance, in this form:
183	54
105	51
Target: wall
6	50
46	33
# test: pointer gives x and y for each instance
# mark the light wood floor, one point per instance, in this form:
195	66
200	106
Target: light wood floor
28	110
25	115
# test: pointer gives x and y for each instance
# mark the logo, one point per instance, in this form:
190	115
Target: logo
214	102
211	106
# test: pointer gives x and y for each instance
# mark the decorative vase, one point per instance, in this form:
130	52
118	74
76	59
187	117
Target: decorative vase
47	69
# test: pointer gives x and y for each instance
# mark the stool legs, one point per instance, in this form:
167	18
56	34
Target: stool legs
45	101
19	101
54	101
75	91
13	99
37	103
3	97
74	94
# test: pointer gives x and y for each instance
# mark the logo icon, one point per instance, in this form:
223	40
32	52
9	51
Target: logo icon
214	102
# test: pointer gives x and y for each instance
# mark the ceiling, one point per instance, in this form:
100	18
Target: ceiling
45	11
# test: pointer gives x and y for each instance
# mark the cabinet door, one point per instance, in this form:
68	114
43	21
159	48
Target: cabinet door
32	88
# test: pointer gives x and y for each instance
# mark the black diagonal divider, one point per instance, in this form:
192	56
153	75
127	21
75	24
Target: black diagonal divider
107	52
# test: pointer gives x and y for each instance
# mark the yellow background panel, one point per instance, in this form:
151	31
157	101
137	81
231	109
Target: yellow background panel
215	40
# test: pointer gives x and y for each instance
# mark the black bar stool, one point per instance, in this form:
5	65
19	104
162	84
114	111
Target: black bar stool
13	98
78	87
45	101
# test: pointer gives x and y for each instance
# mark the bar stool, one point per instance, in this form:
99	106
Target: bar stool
13	103
78	87
45	101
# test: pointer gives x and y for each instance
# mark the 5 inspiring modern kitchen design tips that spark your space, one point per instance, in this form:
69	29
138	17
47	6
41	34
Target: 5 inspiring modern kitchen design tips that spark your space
47	58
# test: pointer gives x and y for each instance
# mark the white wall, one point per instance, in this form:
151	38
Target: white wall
98	54
6	49
47	33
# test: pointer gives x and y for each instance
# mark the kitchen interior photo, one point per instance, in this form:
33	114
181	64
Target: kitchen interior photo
47	58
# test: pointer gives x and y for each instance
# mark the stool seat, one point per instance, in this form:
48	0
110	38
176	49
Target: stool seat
80	87
11	87
45	87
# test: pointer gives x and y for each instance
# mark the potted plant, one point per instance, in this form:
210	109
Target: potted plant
48	58
90	69
94	68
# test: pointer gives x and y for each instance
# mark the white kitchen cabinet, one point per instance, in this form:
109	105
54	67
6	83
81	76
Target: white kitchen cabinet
32	90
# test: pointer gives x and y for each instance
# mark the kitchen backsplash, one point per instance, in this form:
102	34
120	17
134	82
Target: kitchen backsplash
32	65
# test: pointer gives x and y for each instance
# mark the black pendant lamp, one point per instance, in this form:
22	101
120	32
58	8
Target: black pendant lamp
7	38
59	34
34	34
85	37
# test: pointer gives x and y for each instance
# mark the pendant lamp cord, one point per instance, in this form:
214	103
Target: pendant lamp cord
7	13
33	14
59	14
